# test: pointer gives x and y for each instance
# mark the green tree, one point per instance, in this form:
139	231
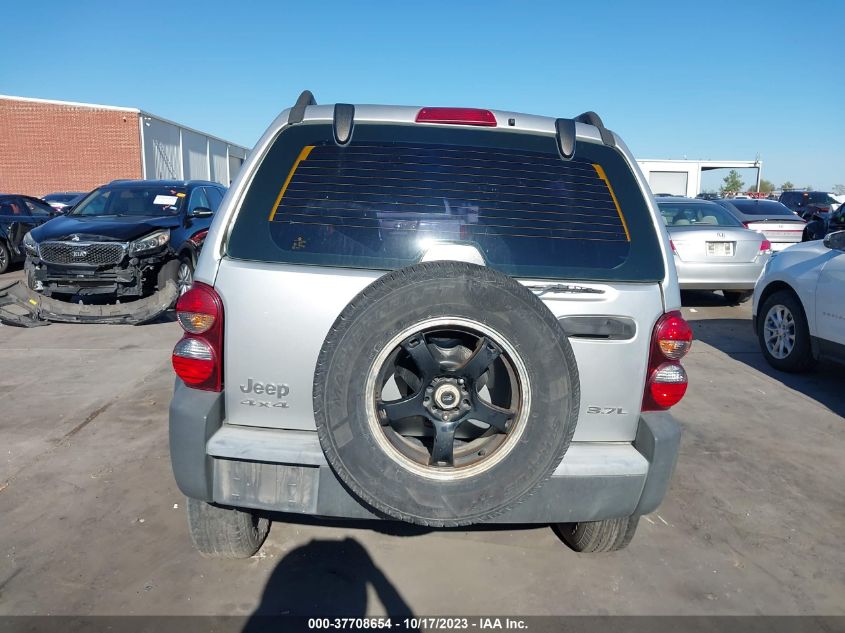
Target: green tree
766	186
787	186
732	182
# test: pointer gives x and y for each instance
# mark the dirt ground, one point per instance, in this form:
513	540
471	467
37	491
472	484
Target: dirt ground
91	521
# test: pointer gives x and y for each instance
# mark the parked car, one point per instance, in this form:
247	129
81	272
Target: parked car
18	215
799	305
61	201
709	196
775	221
513	365
836	220
808	203
712	249
124	240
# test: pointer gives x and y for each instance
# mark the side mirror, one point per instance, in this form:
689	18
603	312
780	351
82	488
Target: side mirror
835	241
201	212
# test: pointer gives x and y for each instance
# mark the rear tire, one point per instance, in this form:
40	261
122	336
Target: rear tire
589	537
735	297
798	358
225	533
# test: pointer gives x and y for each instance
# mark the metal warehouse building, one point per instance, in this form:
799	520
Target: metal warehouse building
683	177
48	146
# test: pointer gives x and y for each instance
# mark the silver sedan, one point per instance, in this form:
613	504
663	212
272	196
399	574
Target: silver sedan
712	249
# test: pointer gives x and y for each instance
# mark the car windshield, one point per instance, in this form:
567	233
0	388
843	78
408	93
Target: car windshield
132	201
762	207
696	214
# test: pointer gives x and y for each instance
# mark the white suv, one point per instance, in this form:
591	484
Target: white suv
799	305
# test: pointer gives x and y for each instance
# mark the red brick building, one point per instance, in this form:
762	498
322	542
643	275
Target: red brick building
48	146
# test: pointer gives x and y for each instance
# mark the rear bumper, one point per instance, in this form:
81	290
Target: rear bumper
285	471
779	246
718	276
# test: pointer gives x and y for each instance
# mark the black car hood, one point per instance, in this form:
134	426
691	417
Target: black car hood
104	228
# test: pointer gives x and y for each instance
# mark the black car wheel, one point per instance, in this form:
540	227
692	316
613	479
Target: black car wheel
185	276
5	258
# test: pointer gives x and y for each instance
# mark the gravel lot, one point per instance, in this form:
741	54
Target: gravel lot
92	522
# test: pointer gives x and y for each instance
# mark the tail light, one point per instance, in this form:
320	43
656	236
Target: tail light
457	116
745	224
672	244
765	247
666	381
198	356
198	238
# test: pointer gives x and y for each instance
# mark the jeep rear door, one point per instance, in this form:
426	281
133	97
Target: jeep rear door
320	221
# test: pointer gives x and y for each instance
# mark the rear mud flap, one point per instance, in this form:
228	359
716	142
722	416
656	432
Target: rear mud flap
22	307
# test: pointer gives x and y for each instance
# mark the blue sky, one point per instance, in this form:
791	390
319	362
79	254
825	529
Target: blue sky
718	80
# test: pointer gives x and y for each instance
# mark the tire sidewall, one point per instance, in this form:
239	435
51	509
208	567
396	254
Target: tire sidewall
801	355
382	481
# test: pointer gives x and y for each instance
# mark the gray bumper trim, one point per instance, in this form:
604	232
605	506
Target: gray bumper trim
658	440
194	417
285	471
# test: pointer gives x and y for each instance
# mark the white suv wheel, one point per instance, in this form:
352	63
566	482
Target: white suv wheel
779	331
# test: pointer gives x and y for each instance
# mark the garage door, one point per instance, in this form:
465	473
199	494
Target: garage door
671	182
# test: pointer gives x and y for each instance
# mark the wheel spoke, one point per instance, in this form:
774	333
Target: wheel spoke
480	361
403	408
418	350
497	417
443	449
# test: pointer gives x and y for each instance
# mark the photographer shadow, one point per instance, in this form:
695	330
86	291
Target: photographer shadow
325	579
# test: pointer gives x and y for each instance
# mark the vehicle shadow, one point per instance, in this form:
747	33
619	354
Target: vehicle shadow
703	299
326	579
736	338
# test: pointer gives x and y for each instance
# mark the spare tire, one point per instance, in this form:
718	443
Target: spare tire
445	393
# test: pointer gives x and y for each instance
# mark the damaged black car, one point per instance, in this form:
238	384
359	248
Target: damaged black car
131	243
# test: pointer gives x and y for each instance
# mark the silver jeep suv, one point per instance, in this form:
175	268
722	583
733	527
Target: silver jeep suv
443	316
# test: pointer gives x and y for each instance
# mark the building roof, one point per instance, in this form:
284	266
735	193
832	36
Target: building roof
97	106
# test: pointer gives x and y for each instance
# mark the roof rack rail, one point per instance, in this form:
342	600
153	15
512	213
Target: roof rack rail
297	112
591	118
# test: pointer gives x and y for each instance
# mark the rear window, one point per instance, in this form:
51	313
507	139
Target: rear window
802	198
762	207
695	214
393	192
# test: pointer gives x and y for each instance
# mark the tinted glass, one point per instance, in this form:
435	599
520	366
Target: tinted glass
11	206
199	199
131	201
762	207
60	197
215	196
38	208
696	214
384	199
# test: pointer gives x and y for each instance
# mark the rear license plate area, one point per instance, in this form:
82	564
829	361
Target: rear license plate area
720	249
